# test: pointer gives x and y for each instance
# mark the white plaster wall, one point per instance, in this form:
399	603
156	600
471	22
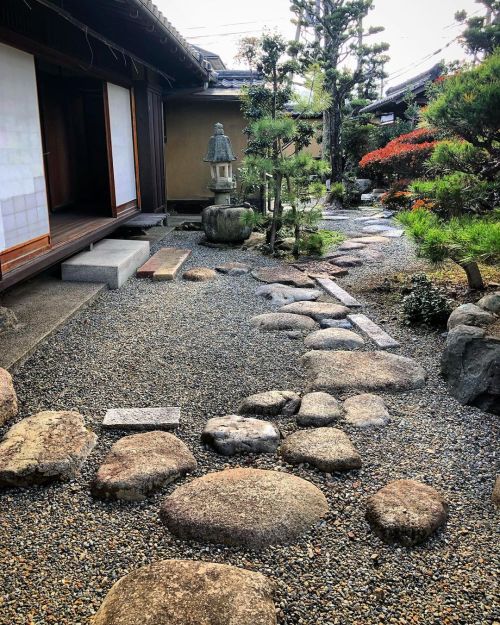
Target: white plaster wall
23	197
122	143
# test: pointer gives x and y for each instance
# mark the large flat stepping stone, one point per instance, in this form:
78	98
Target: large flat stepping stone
318	409
321	268
8	397
270	404
327	449
199	274
143	418
347	246
345	324
406	512
374	240
281	294
284	275
347	261
370	254
366	410
247	507
234	434
163	261
140	464
234	269
173	260
275	322
373	331
333	289
47	447
378	229
393	233
146	220
316	310
333	338
111	261
189	592
334	371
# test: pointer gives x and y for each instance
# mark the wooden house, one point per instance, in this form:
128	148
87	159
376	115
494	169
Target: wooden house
82	90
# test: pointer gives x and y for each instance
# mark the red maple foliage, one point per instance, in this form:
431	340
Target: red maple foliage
405	155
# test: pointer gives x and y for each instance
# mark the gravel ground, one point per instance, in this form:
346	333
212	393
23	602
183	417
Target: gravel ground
190	344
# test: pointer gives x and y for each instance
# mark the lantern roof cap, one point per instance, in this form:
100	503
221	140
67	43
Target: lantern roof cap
220	149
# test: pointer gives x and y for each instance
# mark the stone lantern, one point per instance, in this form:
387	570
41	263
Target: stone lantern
220	155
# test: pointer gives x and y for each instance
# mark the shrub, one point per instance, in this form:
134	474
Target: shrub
425	303
318	243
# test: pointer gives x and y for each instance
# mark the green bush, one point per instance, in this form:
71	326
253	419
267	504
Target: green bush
318	243
425	303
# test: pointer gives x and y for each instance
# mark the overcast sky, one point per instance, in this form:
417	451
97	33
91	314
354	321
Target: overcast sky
415	29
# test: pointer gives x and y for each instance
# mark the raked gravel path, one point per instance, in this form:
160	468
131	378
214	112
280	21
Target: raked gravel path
190	344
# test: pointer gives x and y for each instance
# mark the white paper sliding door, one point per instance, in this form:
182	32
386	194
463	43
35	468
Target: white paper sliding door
121	140
23	198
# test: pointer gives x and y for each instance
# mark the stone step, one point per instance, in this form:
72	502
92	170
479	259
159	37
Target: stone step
166	418
333	289
373	331
111	261
165	264
147	220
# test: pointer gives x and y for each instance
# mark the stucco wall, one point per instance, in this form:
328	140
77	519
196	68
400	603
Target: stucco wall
189	126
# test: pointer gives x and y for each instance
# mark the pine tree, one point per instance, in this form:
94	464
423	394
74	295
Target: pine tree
482	33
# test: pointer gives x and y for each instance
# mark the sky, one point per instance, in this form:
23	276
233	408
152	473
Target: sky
415	29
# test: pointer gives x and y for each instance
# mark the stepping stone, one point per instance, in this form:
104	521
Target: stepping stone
334	218
270	404
246	507
235	434
319	409
172	262
375	240
280	294
333	338
8	397
369	254
139	464
47	447
365	371
336	323
112	261
350	245
379	222
469	315
316	310
393	233
234	269
406	512
284	275
366	410
142	418
184	592
327	449
373	331
199	274
333	289
161	261
377	229
348	261
146	220
321	268
273	322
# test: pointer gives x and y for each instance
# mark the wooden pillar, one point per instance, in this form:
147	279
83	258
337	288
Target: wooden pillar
150	144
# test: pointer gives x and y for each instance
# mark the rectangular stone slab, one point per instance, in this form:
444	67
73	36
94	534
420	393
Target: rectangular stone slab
333	289
147	220
172	260
166	418
372	330
156	262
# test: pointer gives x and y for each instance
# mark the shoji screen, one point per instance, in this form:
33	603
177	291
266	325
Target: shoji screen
23	199
122	144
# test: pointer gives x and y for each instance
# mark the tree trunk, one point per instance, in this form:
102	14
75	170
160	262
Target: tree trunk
335	147
474	277
275	223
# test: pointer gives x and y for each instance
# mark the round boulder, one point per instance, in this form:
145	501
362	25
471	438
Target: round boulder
276	322
333	338
406	512
469	315
8	398
199	274
491	302
47	447
248	507
234	434
140	464
183	592
318	409
328	449
316	310
271	404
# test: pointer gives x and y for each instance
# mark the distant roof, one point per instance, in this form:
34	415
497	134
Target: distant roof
212	57
396	94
